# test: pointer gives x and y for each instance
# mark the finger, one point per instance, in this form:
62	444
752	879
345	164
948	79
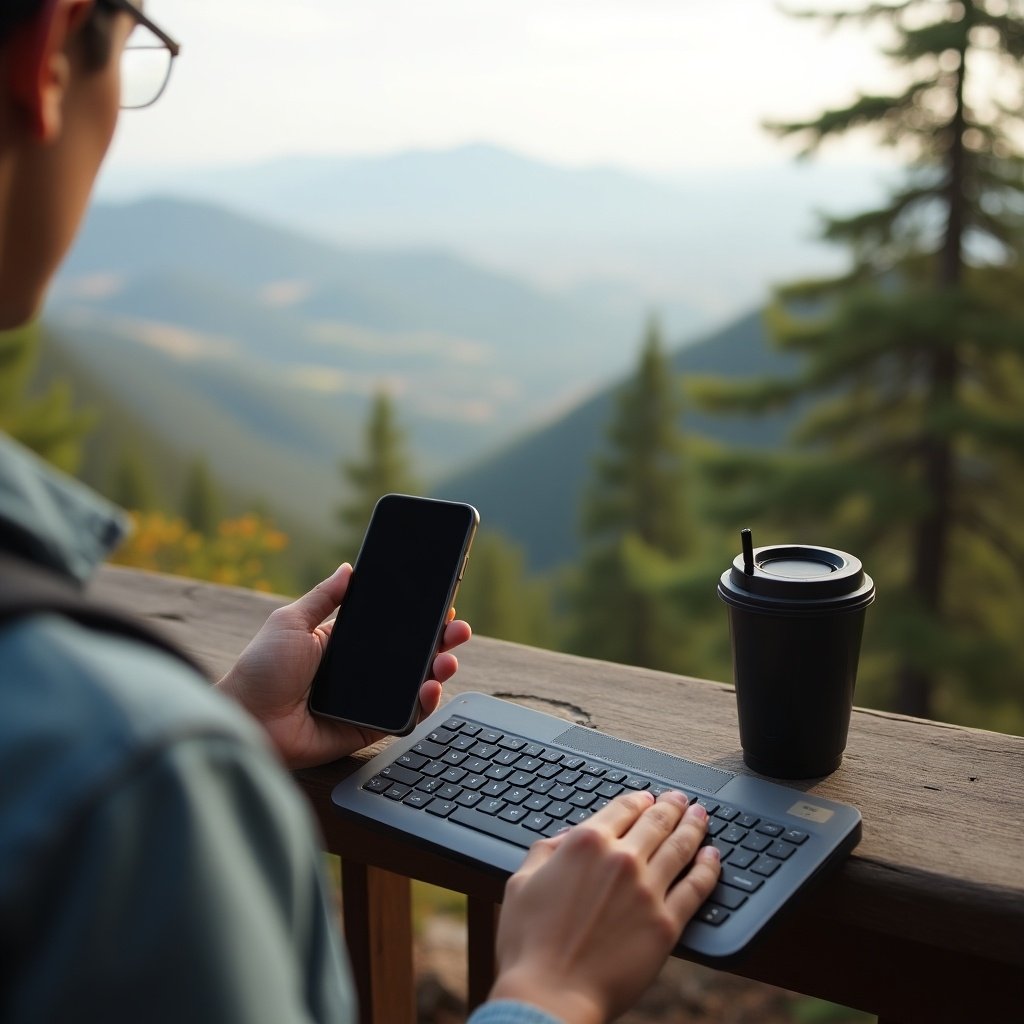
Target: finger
444	667
655	825
430	697
618	817
540	853
689	893
679	847
314	607
455	634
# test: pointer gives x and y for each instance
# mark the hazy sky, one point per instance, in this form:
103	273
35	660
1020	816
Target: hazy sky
657	85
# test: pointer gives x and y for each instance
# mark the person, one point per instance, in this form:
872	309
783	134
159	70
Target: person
156	862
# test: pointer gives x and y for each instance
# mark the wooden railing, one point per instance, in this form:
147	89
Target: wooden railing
923	923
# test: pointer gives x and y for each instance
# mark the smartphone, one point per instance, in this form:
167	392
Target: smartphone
392	619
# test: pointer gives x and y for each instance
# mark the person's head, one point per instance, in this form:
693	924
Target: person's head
59	101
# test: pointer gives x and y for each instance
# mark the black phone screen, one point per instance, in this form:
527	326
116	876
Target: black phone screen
391	619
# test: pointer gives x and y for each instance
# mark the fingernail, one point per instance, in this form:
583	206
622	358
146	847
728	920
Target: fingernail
675	796
711	853
698	811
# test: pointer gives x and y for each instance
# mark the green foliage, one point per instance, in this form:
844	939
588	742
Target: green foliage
202	505
384	469
500	599
635	518
47	423
911	450
131	483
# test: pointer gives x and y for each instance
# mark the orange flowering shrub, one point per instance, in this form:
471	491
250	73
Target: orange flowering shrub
243	553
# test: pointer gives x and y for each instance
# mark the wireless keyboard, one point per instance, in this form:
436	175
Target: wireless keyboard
484	779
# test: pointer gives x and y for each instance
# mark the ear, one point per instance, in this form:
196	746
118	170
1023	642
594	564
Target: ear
41	66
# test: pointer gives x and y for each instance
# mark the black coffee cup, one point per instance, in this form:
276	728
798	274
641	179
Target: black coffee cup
796	617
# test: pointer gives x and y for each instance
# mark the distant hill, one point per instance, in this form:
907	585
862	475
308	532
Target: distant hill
705	243
532	489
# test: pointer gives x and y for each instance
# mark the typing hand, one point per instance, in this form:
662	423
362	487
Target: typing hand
272	677
593	913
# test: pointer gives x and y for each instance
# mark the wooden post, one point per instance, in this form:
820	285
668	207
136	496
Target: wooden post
481	927
377	915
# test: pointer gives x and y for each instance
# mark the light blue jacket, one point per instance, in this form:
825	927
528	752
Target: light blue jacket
155	862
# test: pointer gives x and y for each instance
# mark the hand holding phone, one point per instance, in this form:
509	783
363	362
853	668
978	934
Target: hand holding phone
391	622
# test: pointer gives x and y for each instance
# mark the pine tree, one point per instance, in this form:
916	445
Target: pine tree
384	469
635	514
913	356
498	597
47	422
131	484
201	505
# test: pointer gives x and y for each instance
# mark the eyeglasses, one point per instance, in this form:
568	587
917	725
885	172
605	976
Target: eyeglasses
147	59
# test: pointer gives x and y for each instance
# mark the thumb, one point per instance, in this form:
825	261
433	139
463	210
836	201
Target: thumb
314	607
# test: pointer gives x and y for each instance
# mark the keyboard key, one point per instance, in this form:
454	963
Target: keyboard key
559	809
592	768
614	775
794	835
555	827
734	835
533	750
430	785
588	783
537	802
512	743
441	808
726	897
712	914
442	735
582	799
448	792
635	782
769	828
468	799
455	724
572	762
551	756
715	825
453	775
494	788
747	820
417	799
508	757
536	822
726	813
454	757
396	791
515	795
513	813
568	777
434	768
528	764
708	804
580	814
474	781
542	785
740	879
765	866
609	789
429	749
463	742
498	771
471	729
490	805
724	849
484	750
412	761
476	765
396	773
560	792
756	843
378	784
742	858
520	778
490	736
549	771
780	850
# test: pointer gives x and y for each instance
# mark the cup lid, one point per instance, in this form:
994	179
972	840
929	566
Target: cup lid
796	574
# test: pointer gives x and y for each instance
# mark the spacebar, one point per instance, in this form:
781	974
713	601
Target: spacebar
493	826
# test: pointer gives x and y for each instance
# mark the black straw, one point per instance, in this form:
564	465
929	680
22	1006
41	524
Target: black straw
748	552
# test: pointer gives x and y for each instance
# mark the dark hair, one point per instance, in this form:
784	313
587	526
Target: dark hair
95	33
